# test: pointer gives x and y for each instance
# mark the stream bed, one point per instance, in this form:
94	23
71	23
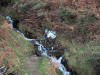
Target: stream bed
54	56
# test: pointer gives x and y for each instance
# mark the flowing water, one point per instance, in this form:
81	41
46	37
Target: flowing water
41	48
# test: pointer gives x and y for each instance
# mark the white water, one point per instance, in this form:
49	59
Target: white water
4	69
41	48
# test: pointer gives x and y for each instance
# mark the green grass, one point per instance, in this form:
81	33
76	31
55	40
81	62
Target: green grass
21	52
58	72
21	49
82	58
44	67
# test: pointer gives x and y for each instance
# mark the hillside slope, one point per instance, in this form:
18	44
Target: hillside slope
77	23
14	50
18	54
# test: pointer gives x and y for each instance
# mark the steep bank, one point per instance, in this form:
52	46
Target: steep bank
44	50
20	59
14	50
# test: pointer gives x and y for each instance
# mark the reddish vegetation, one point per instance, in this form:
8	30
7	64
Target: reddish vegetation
51	16
5	25
56	25
82	4
4	31
78	4
53	70
6	53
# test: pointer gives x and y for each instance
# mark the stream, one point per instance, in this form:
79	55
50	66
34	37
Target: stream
43	50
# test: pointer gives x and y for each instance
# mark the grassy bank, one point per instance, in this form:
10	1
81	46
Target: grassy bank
13	50
45	68
16	54
83	58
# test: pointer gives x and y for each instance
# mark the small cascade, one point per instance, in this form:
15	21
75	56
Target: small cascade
42	49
